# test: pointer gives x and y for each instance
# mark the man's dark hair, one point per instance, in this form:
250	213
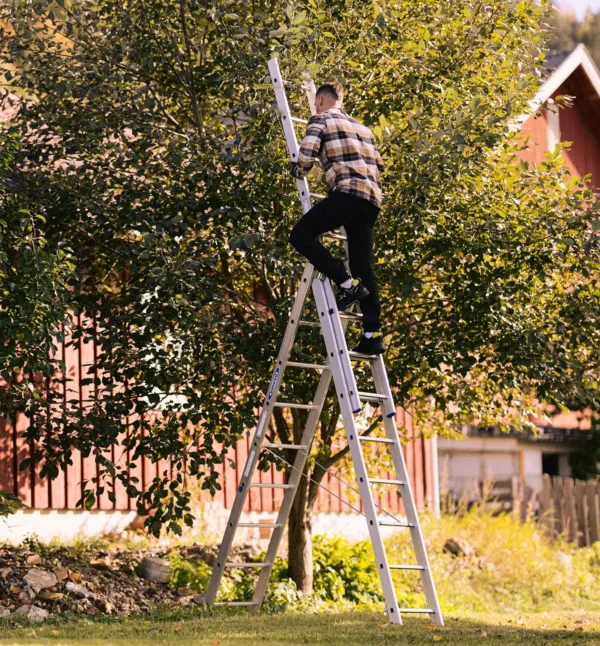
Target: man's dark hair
333	89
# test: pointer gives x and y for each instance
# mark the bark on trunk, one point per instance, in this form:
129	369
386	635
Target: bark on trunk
300	559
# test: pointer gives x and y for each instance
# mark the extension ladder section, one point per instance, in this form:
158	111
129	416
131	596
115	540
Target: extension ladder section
339	367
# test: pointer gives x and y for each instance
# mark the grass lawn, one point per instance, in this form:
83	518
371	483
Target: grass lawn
347	629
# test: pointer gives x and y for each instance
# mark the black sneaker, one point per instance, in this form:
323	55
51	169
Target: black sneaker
353	294
374	345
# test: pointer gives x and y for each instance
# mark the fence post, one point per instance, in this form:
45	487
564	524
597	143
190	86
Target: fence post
593	501
515	495
547	511
582	513
570	514
558	503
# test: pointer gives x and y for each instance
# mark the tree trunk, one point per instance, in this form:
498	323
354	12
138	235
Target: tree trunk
300	559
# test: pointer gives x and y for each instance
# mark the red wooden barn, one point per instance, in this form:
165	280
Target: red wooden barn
483	453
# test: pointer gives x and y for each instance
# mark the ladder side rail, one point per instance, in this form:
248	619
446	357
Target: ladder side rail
294	479
382	385
332	316
265	416
288	130
335	362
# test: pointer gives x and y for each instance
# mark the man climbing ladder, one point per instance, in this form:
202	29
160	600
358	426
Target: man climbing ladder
352	164
337	367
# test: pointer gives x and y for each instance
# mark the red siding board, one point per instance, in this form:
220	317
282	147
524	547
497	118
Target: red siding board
58	486
7	456
536	127
65	492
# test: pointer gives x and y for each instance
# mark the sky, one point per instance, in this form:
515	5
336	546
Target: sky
578	7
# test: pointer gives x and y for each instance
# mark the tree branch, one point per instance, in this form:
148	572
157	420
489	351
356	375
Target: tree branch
342	452
188	48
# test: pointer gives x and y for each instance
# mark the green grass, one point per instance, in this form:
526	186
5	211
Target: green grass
519	588
347	629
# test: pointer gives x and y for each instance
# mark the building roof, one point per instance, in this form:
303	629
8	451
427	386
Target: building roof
558	67
545	434
554	59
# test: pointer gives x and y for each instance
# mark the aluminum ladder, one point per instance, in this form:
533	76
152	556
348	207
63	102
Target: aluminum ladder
339	366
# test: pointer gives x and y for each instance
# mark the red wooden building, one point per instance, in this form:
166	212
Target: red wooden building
574	73
61	495
483	453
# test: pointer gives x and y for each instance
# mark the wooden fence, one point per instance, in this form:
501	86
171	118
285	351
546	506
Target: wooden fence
66	490
564	506
570	508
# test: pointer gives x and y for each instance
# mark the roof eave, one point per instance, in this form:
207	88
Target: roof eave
579	56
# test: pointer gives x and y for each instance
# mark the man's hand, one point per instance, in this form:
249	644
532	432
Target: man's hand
296	171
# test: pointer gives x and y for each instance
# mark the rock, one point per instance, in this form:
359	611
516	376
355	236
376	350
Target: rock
184	592
15	589
92	611
75	576
27	595
61	573
34	559
4	612
33	613
156	570
101	564
51	596
459	547
5	572
105	606
199	599
40	579
78	590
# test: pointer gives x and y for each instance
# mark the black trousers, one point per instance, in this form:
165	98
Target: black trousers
357	216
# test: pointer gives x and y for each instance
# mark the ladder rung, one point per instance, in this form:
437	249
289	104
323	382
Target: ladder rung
394	523
334	236
428	611
298	120
362	357
261	525
386	481
235	603
243	565
318	196
290	405
375	397
351	315
308	366
272	485
309	324
406	567
368	438
271	445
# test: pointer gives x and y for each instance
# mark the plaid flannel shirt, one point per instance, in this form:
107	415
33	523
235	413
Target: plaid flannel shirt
347	152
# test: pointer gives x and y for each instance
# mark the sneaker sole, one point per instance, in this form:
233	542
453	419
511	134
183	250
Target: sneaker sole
369	354
351	303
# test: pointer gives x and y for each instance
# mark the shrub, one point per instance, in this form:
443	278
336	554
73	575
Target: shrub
343	571
188	574
9	503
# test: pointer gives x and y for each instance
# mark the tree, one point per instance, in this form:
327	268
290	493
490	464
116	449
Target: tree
565	32
153	146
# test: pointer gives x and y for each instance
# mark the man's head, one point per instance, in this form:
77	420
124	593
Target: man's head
329	95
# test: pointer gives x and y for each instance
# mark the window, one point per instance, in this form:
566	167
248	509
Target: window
550	463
